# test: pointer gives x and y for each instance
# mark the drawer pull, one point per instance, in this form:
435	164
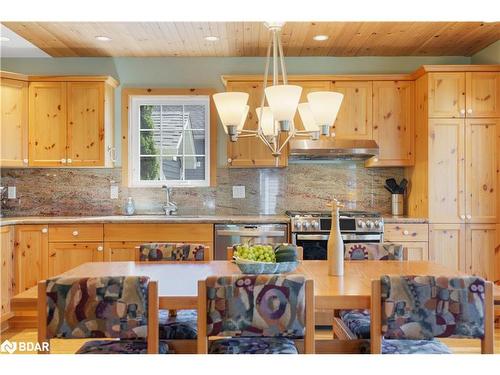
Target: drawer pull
462	217
63	161
405	232
469	217
44	230
99	248
75	233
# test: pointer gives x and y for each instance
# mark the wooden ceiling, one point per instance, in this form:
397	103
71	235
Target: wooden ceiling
66	39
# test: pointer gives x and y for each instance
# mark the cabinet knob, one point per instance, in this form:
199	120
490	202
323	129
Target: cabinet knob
405	233
44	230
63	161
462	111
229	160
75	233
462	217
99	248
469	217
70	161
25	161
469	111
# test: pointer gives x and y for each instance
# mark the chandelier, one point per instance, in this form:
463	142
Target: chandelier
318	114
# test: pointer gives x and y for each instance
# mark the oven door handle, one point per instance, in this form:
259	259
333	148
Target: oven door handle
314	237
250	233
345	237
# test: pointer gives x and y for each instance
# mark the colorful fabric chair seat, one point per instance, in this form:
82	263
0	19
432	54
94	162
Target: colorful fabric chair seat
358	322
253	345
119	347
183	326
171	252
414	347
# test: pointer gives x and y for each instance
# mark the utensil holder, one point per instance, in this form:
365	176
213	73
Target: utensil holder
397	204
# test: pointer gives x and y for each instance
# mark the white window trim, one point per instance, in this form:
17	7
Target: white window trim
134	139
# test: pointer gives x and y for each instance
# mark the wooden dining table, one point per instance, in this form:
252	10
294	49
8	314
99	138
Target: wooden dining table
177	281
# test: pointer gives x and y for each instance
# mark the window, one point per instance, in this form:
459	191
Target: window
169	140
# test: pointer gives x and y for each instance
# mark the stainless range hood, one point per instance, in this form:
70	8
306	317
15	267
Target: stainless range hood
332	148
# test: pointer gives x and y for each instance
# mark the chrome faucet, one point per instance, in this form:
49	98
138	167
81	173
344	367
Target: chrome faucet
169	207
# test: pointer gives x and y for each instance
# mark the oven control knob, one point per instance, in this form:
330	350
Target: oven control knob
306	225
361	223
369	224
315	224
378	224
298	225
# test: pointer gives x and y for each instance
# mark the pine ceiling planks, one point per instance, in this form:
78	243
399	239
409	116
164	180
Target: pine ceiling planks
139	39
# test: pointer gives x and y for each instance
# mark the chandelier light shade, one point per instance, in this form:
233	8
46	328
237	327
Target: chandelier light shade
231	107
283	101
244	118
267	121
307	117
325	106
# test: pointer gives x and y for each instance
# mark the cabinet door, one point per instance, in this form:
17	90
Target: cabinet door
481	170
446	180
6	271
308	87
483	94
447	245
121	251
480	250
252	152
354	120
14	123
47	124
415	250
447	95
85	123
30	256
393	108
65	256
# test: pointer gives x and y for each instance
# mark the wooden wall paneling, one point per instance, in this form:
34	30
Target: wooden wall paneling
354	120
482	170
14	123
85	124
47	124
483	94
446	171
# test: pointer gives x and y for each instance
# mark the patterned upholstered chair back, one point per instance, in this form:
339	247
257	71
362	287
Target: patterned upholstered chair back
113	307
373	251
172	252
423	307
256	305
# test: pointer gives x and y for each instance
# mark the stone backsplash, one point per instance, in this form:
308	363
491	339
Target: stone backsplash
300	186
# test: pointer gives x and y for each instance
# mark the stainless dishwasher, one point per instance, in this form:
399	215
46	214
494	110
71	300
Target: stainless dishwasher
227	235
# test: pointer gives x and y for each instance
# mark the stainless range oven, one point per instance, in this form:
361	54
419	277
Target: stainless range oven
311	230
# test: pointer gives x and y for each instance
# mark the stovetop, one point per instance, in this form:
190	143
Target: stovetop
350	221
350	213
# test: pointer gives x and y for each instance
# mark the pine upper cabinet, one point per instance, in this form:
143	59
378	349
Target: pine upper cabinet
480	242
481	169
393	121
446	95
251	152
64	256
47	124
483	94
354	120
85	124
447	245
14	123
30	256
446	162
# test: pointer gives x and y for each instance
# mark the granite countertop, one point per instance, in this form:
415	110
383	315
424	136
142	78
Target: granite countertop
389	219
213	219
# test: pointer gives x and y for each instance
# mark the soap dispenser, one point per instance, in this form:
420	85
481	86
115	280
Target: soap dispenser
130	207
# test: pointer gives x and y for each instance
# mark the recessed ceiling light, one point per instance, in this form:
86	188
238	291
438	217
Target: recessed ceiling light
320	37
102	38
212	38
4	39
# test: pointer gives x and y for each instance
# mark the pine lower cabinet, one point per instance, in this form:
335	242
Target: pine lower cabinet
447	245
64	256
30	256
413	236
415	250
6	271
121	251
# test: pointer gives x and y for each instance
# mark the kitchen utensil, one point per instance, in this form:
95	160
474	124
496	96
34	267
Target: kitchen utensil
402	186
388	189
392	184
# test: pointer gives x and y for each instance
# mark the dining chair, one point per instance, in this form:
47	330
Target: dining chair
410	312
175	324
255	314
355	324
231	249
121	312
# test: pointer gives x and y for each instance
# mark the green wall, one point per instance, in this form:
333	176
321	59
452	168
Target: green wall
489	55
206	71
